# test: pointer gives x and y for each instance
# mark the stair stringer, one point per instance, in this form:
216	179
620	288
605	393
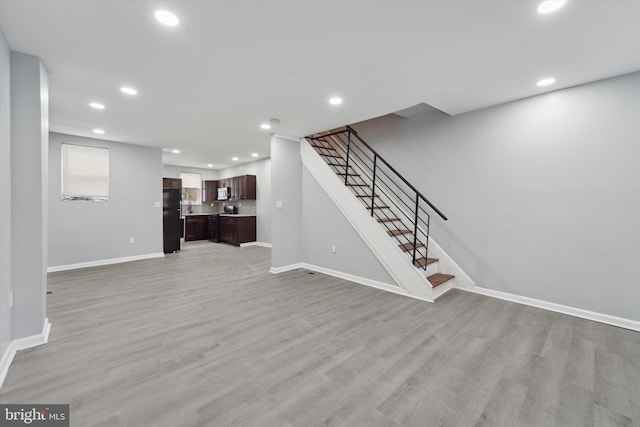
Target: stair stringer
385	249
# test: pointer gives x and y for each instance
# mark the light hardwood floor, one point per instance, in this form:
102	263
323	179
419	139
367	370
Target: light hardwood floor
210	337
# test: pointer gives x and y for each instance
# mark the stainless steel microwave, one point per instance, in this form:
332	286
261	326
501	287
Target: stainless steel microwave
224	193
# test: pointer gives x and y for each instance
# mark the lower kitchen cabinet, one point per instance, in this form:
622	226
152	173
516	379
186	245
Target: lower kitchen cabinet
195	227
237	229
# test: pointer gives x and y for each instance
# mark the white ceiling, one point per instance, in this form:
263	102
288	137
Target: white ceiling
206	85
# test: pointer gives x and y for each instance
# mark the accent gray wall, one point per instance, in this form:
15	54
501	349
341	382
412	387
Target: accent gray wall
83	231
324	225
286	186
543	194
29	154
5	194
262	170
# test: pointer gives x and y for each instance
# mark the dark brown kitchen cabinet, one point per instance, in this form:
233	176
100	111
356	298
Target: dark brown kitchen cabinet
237	229
246	185
195	227
172	183
210	190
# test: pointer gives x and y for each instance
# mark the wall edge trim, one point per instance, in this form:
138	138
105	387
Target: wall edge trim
100	262
559	308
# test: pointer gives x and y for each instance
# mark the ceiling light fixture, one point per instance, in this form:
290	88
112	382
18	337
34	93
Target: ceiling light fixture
167	18
97	105
265	126
549	6
546	81
128	90
98	131
335	100
254	154
175	151
210	165
235	159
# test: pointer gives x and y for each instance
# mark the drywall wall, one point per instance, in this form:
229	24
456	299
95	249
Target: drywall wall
29	156
83	231
542	194
5	195
286	202
262	170
172	171
324	227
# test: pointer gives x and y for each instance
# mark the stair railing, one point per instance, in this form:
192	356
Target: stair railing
377	174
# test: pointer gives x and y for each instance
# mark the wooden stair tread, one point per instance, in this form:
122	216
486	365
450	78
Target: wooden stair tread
388	219
409	246
398	232
438	279
378	207
422	261
351	174
357	185
368	196
331	155
338	165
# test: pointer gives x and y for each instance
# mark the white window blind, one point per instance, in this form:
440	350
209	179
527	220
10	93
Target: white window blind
85	173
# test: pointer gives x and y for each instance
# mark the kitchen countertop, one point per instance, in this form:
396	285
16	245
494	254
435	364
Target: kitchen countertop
223	214
196	214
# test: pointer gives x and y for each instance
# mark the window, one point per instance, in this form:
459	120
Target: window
191	188
85	173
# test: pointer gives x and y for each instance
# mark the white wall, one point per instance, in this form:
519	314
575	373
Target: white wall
262	170
29	154
542	194
83	231
172	171
286	187
5	194
325	226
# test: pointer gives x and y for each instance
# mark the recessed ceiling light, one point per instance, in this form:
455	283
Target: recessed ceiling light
98	131
546	82
549	6
128	90
210	165
335	100
167	18
175	151
235	159
97	105
254	154
265	126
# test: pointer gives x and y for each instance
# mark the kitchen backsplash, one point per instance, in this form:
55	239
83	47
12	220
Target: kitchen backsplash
247	207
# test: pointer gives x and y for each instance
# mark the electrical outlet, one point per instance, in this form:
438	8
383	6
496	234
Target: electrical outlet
132	240
211	204
239	204
279	204
333	249
157	204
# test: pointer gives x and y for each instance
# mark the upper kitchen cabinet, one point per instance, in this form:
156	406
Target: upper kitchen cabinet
245	187
172	183
210	190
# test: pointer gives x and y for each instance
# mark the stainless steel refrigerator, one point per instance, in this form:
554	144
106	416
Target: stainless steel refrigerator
171	220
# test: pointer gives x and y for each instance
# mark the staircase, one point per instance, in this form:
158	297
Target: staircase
388	197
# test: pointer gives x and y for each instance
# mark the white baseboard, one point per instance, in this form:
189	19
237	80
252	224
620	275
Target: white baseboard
103	262
350	277
277	270
559	308
261	244
22	344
